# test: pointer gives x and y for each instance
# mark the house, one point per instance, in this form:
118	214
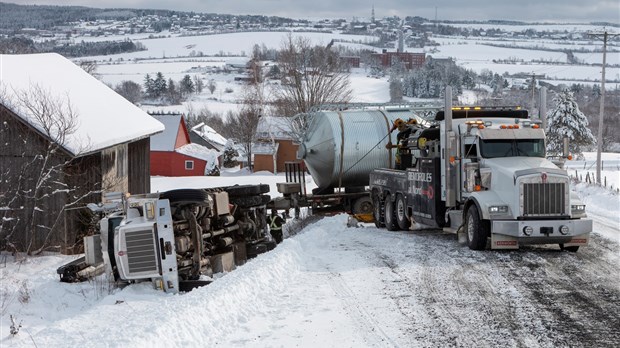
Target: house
206	136
410	60
274	145
65	138
173	153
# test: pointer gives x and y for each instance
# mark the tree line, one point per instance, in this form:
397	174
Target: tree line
22	45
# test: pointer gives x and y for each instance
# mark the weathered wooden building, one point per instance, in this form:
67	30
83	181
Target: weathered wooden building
65	138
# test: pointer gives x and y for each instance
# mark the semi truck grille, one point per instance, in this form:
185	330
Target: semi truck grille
544	199
141	253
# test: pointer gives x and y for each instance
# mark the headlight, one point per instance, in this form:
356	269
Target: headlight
578	208
564	229
498	209
528	230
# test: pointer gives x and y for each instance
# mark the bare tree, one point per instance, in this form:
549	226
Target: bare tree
43	183
242	125
211	85
90	66
312	76
130	90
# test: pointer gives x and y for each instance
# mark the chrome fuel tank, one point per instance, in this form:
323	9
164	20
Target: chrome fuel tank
341	148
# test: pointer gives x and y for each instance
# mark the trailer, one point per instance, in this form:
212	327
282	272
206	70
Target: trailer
339	149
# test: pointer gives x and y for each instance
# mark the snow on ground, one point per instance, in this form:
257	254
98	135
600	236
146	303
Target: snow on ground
280	299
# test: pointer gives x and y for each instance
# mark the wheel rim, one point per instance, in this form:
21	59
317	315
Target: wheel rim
400	210
470	228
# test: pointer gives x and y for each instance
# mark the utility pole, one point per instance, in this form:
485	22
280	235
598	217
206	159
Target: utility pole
599	138
534	77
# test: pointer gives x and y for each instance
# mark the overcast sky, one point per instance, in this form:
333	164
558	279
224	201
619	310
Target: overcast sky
526	10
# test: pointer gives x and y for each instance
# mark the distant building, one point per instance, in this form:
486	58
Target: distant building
350	61
410	60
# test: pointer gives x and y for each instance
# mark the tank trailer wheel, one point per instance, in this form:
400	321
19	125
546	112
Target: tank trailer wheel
390	215
401	214
363	205
477	230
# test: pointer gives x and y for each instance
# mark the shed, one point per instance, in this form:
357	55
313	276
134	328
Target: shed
274	145
66	138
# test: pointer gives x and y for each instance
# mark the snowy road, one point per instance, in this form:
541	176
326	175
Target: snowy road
334	286
421	288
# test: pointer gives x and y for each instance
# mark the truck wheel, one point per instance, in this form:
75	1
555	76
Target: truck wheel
185	196
390	215
401	213
362	205
376	202
251	201
246	190
572	249
477	230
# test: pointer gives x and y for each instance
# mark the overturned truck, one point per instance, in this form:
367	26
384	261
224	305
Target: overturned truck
175	239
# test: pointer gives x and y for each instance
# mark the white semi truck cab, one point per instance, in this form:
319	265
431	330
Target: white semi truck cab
484	172
175	239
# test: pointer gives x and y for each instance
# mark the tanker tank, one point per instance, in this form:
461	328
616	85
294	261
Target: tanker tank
341	148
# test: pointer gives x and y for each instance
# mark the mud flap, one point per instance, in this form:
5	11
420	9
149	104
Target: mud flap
501	241
579	240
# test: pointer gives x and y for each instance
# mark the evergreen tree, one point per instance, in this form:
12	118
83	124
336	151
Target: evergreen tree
186	85
149	86
396	88
567	120
230	155
159	85
172	93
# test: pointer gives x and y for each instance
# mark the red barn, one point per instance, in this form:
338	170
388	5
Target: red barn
173	154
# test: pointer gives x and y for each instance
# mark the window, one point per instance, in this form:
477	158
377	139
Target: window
189	165
510	147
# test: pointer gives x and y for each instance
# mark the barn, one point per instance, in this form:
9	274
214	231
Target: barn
65	138
173	153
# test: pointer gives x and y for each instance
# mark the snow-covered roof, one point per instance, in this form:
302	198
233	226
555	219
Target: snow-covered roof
272	127
264	148
210	135
200	152
104	117
166	140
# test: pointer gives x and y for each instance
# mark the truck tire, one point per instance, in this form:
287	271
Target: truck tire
376	202
251	201
246	190
390	215
572	249
185	196
476	229
401	213
362	205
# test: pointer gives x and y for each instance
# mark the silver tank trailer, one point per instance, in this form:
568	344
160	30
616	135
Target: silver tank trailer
341	148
